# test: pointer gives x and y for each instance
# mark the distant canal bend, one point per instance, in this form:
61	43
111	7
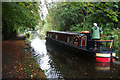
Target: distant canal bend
63	64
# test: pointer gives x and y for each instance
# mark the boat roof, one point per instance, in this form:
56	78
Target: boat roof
63	32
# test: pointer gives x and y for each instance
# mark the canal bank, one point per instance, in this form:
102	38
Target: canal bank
17	62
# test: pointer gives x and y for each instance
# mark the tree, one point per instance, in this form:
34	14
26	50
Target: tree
18	15
72	15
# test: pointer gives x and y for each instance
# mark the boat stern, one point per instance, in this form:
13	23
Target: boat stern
105	56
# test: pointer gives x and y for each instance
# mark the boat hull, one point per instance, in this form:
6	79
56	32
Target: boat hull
70	48
82	53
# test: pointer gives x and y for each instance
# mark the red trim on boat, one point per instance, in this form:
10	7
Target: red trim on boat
99	59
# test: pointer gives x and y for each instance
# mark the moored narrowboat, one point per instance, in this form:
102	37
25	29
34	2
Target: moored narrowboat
82	45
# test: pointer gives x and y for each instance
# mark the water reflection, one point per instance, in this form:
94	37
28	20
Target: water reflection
102	66
45	62
64	64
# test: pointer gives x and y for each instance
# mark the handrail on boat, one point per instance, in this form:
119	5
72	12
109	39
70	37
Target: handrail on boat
105	41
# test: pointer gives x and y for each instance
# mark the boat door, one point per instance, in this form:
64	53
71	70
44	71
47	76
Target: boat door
83	41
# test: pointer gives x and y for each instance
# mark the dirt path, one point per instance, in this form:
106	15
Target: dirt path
18	63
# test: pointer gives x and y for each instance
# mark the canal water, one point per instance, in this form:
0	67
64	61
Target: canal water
64	64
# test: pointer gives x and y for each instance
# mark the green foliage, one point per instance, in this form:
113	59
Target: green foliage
79	16
66	14
19	16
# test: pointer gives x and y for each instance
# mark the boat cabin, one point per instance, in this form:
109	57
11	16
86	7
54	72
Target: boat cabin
76	39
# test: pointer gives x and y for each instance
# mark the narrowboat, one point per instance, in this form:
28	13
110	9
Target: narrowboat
82	45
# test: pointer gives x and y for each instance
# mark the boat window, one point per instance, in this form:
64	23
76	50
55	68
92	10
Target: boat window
56	36
51	35
69	39
48	34
79	41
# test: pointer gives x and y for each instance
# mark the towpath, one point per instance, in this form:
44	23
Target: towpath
18	63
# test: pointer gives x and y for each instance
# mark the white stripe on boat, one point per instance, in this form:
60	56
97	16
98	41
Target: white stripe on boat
105	54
